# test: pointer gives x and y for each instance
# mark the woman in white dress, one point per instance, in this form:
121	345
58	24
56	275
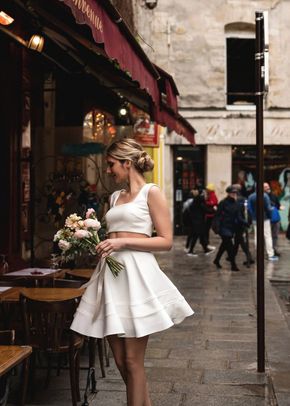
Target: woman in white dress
141	300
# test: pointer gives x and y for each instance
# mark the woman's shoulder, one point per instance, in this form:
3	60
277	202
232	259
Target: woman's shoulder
114	196
151	189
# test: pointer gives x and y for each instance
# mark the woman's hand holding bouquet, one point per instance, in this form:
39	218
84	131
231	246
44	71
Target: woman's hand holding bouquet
80	237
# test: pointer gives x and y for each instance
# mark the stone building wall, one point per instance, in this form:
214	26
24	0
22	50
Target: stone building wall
126	9
188	39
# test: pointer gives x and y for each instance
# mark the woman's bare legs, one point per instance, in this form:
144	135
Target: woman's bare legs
118	350
129	356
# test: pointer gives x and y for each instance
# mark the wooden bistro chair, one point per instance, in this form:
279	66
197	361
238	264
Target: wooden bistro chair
16	282
83	275
7	337
67	283
46	329
10	316
92	342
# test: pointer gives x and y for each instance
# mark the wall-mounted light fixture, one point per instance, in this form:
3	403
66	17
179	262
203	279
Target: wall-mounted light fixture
36	43
123	111
151	4
5	19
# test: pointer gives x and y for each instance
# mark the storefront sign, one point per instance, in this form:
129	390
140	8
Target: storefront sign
117	44
90	13
146	133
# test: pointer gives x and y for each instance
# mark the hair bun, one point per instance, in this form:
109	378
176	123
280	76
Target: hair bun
128	148
145	162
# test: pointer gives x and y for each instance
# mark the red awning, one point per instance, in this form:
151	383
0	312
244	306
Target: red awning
168	87
174	121
109	28
167	113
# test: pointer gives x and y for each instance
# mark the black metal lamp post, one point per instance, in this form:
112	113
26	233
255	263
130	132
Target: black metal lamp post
261	86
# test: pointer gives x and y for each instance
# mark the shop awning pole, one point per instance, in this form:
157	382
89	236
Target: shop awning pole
259	66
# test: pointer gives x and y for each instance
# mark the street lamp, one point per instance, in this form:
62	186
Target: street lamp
151	4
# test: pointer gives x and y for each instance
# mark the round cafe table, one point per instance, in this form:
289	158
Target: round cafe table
47	294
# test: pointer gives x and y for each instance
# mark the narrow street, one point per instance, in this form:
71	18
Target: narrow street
209	359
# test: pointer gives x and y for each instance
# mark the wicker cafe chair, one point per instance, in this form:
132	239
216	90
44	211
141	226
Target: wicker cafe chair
46	329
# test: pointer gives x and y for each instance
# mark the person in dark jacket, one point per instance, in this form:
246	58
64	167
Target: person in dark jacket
211	202
186	220
275	216
230	214
198	210
252	203
241	229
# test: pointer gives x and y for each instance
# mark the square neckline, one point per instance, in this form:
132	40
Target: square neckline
122	204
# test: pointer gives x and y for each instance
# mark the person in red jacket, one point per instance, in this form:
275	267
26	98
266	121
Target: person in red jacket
211	202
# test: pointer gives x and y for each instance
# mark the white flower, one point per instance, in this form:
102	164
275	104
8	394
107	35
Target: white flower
79	234
64	245
57	236
92	223
73	221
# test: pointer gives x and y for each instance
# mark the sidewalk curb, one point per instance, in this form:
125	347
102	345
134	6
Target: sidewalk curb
277	347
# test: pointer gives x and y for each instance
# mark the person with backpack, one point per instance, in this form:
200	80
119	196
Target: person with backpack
198	210
275	217
268	208
241	239
228	215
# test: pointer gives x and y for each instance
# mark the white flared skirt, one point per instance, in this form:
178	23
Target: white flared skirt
141	300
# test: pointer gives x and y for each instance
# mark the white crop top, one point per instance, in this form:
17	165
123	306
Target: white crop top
133	217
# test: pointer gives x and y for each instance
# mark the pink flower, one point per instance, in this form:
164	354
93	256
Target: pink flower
82	234
92	223
89	213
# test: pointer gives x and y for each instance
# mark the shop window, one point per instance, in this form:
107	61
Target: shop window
240	64
99	127
240	71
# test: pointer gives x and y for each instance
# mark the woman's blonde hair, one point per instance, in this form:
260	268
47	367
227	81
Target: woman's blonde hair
128	149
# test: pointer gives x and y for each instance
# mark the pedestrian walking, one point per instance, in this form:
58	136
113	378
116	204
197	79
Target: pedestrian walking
228	213
141	300
241	229
252	203
275	217
186	220
198	210
211	202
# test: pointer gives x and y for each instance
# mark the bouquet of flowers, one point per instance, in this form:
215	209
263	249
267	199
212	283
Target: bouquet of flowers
80	236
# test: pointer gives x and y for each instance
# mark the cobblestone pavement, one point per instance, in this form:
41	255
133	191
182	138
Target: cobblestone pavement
209	359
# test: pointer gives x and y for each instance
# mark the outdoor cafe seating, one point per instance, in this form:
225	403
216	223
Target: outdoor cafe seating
10	357
46	330
41	315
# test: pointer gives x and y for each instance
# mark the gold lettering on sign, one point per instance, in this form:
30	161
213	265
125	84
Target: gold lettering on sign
85	8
